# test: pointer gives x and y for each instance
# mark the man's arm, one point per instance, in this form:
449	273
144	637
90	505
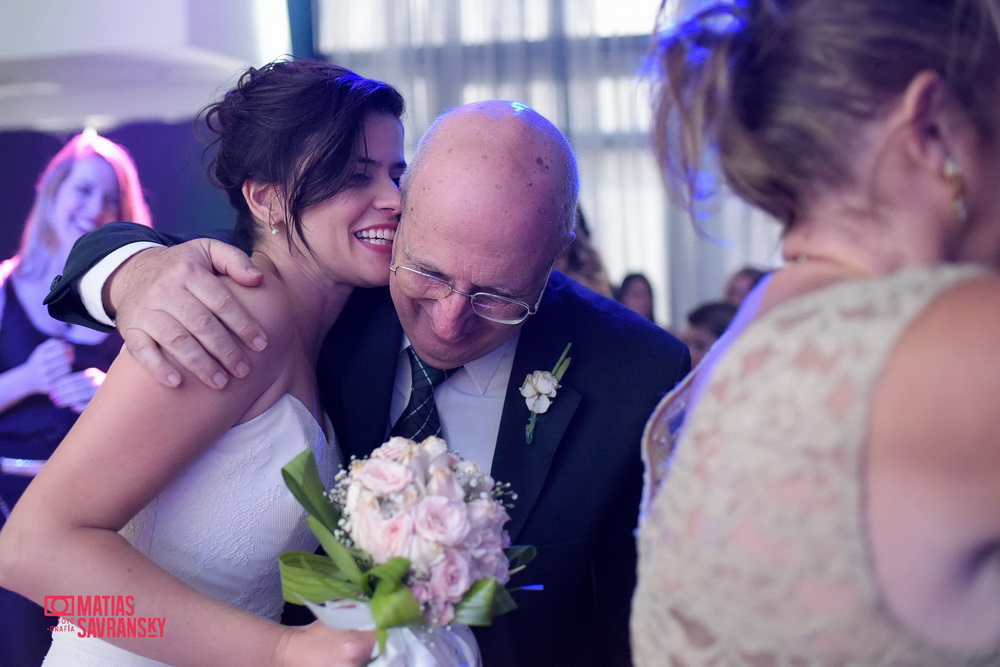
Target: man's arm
169	304
64	300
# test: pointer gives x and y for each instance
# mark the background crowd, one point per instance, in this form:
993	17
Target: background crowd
816	408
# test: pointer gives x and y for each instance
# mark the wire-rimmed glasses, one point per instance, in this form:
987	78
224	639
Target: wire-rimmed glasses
493	307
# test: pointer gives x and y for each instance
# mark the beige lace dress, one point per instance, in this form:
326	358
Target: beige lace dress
753	551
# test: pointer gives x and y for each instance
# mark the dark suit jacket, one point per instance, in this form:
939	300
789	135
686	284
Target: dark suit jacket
578	483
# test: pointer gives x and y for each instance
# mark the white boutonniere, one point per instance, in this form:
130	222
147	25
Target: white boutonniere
539	389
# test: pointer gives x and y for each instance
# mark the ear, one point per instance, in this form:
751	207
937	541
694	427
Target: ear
928	120
262	200
567	243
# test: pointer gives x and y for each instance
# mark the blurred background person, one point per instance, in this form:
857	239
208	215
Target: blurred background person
636	293
833	495
50	370
705	325
581	261
741	282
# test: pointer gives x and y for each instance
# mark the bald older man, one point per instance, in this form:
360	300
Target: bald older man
487	205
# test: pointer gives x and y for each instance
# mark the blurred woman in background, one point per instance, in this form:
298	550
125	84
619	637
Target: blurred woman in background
636	293
49	370
834	494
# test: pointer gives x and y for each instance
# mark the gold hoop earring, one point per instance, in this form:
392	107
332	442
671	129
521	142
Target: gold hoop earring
953	174
274	228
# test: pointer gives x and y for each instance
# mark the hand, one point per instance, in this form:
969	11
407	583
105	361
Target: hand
169	300
75	390
47	363
323	646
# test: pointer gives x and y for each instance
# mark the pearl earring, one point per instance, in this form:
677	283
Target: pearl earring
953	174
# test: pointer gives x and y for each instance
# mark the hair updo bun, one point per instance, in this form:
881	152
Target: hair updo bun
775	92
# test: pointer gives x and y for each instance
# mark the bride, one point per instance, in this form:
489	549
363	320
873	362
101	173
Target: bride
163	511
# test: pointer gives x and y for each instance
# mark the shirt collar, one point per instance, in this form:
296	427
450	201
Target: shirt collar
481	371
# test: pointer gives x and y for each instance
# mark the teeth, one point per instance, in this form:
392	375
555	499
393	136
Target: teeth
380	236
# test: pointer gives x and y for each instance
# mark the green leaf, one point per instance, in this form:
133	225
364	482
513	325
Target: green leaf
392	601
302	479
393	605
393	570
562	364
520	555
345	559
502	602
485	600
312	577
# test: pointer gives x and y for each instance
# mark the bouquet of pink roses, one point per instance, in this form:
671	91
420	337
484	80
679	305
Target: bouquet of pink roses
414	531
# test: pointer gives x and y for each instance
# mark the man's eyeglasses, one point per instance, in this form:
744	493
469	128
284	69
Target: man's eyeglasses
493	307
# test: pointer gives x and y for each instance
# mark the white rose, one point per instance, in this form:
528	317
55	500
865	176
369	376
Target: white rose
540	382
538	390
538	404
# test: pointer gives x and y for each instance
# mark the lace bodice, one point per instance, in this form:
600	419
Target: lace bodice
221	525
753	550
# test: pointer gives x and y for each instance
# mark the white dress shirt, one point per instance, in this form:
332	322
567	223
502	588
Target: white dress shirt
469	402
91	284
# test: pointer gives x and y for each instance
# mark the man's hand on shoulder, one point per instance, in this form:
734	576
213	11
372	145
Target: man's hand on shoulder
171	300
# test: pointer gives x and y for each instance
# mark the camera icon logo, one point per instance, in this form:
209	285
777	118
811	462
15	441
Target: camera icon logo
59	605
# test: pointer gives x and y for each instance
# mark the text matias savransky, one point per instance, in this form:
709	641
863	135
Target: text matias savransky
102	616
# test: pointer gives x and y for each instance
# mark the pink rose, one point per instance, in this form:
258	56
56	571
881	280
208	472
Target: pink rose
450	578
358	499
421	591
407	498
383	476
493	565
367	527
396	449
434	455
439	519
397	535
487	539
443	483
424	553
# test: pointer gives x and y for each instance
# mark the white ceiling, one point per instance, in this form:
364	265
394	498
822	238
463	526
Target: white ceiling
66	64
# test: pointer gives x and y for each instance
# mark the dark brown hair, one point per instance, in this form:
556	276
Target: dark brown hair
770	92
294	124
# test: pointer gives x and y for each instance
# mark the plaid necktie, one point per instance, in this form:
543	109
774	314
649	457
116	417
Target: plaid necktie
420	418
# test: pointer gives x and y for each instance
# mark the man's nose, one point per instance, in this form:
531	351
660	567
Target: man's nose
452	316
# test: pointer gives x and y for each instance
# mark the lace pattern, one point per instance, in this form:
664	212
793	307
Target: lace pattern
770	565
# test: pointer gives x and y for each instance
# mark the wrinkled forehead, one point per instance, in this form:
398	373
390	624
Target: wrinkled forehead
469	212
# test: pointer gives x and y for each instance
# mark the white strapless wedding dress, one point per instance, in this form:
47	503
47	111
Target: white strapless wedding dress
222	524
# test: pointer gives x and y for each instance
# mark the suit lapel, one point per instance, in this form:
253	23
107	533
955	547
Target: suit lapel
525	467
364	359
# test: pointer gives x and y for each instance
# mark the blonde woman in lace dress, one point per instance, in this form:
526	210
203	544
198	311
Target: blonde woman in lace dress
825	490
